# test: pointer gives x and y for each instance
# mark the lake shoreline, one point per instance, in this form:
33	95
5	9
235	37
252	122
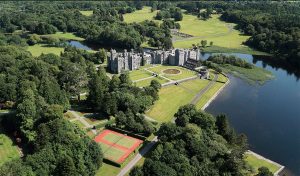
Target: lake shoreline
215	95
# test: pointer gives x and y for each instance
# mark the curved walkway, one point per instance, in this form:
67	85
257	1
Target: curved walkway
199	94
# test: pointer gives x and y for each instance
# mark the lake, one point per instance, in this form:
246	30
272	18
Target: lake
268	114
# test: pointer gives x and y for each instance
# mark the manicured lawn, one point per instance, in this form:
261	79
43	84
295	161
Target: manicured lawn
256	163
8	151
147	82
193	26
222	34
208	94
38	49
140	15
66	36
86	12
172	97
69	116
79	124
139	74
108	170
184	73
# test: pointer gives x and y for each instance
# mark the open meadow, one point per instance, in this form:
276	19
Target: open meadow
38	49
65	36
8	150
223	35
140	15
86	12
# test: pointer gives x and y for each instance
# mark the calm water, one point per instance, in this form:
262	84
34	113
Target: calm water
268	114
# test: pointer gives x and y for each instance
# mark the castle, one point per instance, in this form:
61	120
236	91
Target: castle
122	61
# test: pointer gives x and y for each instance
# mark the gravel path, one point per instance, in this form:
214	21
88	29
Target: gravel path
141	153
199	94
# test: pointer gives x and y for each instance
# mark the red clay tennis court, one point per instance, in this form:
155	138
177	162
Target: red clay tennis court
116	146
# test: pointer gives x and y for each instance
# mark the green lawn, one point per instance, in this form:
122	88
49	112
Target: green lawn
208	94
8	151
140	15
139	74
184	73
66	36
172	97
147	82
38	49
256	163
86	12
193	26
79	124
108	170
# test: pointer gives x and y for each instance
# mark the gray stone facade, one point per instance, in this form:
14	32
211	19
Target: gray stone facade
122	61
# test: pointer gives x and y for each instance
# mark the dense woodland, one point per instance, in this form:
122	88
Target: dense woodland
38	90
196	144
274	26
104	27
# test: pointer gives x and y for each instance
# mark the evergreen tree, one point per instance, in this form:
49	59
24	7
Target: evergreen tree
26	113
66	167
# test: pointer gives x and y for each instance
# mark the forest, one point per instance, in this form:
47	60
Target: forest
196	144
37	91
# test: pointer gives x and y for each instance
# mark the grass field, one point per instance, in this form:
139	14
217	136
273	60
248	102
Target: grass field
140	15
256	163
66	36
211	92
222	34
116	146
38	49
8	151
147	82
184	73
172	97
86	12
79	124
139	74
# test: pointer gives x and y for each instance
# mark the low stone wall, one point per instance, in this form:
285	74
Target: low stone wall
281	167
215	95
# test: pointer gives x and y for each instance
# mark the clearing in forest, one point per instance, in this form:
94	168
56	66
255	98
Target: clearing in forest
116	146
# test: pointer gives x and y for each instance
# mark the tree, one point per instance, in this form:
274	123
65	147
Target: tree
155	84
114	83
101	56
211	43
203	43
178	15
34	39
26	113
66	167
264	171
125	80
97	89
73	78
